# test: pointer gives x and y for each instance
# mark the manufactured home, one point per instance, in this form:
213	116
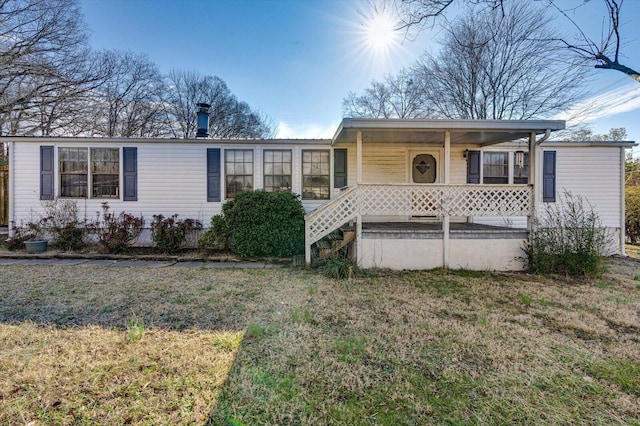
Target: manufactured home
411	194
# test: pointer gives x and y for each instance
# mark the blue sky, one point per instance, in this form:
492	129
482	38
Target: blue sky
296	60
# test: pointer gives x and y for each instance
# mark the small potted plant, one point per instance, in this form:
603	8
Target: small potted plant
35	243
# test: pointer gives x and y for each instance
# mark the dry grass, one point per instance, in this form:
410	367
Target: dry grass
290	347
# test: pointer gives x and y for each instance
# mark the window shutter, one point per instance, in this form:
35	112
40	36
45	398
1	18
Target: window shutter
46	173
549	177
213	174
473	167
130	173
339	168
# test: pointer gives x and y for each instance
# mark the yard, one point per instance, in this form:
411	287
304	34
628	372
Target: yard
105	345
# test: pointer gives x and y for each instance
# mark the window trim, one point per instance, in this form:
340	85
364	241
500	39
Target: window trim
60	173
510	161
264	168
328	175
93	173
253	170
89	172
485	164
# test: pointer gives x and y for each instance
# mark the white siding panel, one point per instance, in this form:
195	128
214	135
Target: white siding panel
26	178
384	163
593	173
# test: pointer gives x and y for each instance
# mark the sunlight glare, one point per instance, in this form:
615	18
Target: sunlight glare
380	31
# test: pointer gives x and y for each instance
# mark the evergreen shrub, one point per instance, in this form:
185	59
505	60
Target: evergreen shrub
259	223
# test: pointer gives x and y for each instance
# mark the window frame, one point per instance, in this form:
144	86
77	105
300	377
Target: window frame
487	166
312	176
62	174
272	187
88	184
94	174
227	175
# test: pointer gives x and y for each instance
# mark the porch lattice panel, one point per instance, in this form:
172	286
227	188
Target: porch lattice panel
418	200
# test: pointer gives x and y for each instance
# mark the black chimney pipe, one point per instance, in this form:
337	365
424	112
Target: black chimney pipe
203	120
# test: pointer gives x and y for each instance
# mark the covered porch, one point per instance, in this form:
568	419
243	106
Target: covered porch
424	215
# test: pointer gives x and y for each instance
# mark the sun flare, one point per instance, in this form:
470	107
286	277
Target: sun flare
380	31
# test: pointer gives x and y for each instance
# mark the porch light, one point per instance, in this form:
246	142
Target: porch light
465	153
519	158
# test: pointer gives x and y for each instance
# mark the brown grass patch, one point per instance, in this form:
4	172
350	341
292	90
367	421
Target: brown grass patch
291	347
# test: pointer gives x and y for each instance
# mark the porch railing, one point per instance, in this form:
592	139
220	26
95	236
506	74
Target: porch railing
416	200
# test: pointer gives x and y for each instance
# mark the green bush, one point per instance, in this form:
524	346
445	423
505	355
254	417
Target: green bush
217	236
632	214
568	239
260	223
170	234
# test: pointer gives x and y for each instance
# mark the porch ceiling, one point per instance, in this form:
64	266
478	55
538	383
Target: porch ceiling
477	132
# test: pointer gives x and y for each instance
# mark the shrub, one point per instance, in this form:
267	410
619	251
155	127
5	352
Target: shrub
117	232
217	236
62	222
337	267
568	239
632	214
22	233
169	234
262	223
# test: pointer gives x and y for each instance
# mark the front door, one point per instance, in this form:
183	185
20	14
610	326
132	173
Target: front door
423	167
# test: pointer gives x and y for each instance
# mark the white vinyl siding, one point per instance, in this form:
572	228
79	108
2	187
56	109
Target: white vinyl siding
172	178
592	172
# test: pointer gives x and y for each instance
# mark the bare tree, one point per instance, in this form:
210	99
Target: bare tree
400	96
606	52
415	15
499	64
228	117
43	57
129	103
492	64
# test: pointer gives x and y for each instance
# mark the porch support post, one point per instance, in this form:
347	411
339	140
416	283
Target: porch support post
447	157
359	156
443	201
532	181
307	245
359	239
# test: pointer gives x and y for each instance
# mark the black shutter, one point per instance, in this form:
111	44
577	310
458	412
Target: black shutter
549	177
46	173
473	167
339	168
130	175
213	174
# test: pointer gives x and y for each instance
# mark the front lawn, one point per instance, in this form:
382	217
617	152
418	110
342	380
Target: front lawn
105	345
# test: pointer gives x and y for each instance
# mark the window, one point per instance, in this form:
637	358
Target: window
238	171
495	167
105	172
315	175
521	168
277	170
73	172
